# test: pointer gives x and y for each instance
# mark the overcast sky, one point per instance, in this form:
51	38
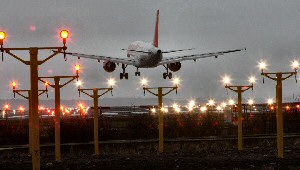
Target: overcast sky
269	29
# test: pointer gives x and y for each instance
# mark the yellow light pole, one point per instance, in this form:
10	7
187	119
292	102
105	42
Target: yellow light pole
95	96
160	95
57	86
278	77
33	62
239	90
20	93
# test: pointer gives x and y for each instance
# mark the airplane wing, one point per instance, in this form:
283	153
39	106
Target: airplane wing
104	58
195	56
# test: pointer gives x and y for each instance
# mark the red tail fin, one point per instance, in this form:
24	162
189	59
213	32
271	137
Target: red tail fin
155	40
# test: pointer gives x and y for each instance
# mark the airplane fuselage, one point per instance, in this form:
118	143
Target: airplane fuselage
145	55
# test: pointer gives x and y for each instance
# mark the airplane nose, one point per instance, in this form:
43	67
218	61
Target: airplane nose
158	51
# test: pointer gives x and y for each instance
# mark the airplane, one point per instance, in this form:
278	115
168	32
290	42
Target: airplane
148	55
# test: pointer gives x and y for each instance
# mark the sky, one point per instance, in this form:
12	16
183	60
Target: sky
269	30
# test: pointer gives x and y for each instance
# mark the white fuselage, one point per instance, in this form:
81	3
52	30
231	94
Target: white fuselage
145	55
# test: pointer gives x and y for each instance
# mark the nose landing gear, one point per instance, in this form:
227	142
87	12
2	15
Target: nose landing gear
137	73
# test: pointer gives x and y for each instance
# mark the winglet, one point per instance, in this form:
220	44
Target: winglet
155	40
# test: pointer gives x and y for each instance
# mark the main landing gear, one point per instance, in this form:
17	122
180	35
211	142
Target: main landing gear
124	74
167	74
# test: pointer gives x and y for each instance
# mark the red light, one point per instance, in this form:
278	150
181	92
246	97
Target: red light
77	67
272	107
6	107
215	123
287	107
32	28
64	34
21	108
298	106
14	84
81	106
2	35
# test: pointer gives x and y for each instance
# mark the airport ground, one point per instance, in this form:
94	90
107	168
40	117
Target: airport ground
204	155
192	141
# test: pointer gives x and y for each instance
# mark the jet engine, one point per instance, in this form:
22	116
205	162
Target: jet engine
174	66
109	66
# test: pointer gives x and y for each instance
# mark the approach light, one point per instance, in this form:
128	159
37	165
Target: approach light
211	102
164	109
192	103
175	105
226	80
14	84
78	83
262	65
21	108
295	64
111	82
176	81
251	102
219	108
2	35
46	85
80	105
270	101
231	102
77	67
252	80
41	108
64	34
153	110
203	108
176	108
144	82
6	106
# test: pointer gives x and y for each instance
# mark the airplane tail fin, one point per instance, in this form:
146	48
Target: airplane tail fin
155	40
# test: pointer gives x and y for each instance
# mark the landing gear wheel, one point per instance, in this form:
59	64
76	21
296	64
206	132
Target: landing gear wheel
167	74
123	75
170	75
164	75
137	74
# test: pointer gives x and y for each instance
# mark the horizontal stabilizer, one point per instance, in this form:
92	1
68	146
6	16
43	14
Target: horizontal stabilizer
173	51
139	51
